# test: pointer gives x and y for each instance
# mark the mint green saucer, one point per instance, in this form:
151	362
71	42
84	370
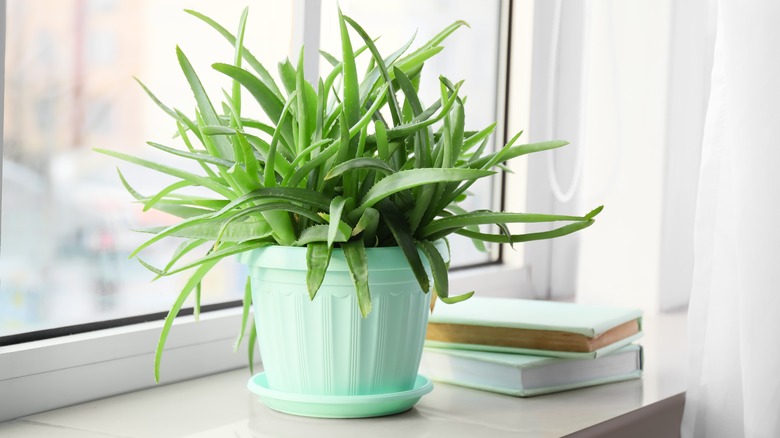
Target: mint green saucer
339	406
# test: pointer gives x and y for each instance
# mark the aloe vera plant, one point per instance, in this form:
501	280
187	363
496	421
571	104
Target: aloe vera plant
348	162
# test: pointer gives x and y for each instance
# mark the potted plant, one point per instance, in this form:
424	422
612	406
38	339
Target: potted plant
341	207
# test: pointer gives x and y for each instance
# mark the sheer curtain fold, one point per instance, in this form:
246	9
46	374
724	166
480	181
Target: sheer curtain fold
734	313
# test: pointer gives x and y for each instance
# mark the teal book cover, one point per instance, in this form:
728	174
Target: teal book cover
525	375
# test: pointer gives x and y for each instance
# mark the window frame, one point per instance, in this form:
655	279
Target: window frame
49	373
560	32
691	52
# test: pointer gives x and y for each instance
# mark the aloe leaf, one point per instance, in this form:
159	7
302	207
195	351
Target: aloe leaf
488	162
408	89
317	261
517	151
251	346
270	206
403	237
441	36
407	179
370	80
319	233
195	179
185	248
129	188
287	74
367	222
247	304
395	109
196	304
197	156
404	130
304	154
504	229
204	103
206	205
355	254
251	123
193	281
415	60
312	164
228	249
478	244
251	167
179	210
269	176
369	114
517	238
302	106
359	164
282	225
157	271
241	149
319	113
188	123
157	101
330	58
349	74
183	134
412	64
336	208
476	138
423	195
239	50
424	199
246	54
446	155
593	213
281	165
456	120
305	197
271	103
263	208
235	232
337	69
161	194
262	147
458	298
477	154
489	217
344	153
218	129
501	155
383	149
441	282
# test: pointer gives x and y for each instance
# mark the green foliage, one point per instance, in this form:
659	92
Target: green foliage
330	170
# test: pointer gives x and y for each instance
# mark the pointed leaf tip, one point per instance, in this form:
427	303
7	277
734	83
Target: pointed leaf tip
594	212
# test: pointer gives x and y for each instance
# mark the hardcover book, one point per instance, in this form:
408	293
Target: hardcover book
524	375
536	327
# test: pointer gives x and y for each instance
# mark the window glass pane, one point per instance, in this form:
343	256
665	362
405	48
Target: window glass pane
470	54
69	88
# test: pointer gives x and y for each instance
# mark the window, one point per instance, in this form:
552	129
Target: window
595	74
68	88
66	217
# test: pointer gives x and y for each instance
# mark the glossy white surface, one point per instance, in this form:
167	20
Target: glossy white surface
220	406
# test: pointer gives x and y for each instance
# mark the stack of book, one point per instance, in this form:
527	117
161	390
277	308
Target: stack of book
528	347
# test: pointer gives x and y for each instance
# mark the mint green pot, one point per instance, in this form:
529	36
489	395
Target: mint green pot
324	346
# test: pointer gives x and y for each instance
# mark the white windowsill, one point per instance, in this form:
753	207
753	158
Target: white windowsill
221	406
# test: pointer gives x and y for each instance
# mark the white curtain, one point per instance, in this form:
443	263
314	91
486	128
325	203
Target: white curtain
734	313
